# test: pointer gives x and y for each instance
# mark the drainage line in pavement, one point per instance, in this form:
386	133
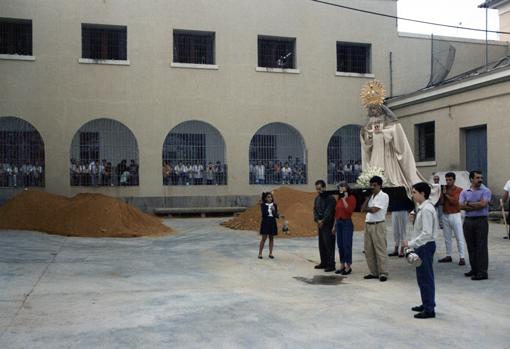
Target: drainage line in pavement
25	298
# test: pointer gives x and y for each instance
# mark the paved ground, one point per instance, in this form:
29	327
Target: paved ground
204	287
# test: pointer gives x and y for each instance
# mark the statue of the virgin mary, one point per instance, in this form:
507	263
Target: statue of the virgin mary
384	143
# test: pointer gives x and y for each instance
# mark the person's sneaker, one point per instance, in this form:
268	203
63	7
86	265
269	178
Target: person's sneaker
271	256
425	315
447	259
393	254
469	273
319	266
418	308
383	278
340	271
370	276
462	261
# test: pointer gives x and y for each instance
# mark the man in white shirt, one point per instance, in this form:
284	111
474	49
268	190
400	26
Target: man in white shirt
93	170
425	228
260	173
375	231
504	199
286	173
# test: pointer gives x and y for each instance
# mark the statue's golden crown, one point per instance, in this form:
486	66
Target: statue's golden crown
372	93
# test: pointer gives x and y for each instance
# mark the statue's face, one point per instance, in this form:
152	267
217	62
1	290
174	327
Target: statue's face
374	111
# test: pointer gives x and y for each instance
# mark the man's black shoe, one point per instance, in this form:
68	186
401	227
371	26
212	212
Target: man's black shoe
383	278
480	277
418	308
370	276
319	266
393	254
425	315
327	270
447	259
469	273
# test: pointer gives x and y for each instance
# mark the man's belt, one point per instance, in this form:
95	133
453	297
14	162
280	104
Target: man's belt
374	222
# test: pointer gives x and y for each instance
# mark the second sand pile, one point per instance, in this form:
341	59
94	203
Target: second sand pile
297	208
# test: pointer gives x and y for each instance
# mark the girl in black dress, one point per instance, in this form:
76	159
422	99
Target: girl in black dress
269	212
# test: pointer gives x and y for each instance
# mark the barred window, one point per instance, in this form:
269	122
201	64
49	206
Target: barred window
344	155
104	41
276	52
194	154
15	36
425	141
277	156
104	152
21	154
196	47
353	58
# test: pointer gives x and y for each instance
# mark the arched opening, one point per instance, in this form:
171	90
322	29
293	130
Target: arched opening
194	154
344	155
21	154
104	152
277	156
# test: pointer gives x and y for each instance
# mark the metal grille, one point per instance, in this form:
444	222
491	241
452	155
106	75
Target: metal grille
344	155
193	47
276	52
104	152
353	58
104	42
194	154
21	154
277	156
426	142
15	36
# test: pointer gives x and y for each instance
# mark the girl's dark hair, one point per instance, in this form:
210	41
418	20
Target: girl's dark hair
265	194
423	188
345	185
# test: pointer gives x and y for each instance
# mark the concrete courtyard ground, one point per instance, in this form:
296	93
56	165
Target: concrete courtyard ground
204	287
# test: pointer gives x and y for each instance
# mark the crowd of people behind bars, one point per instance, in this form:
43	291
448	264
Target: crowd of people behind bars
21	174
340	172
194	173
103	173
278	172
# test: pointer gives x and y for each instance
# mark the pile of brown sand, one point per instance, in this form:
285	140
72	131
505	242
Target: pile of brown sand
297	208
89	215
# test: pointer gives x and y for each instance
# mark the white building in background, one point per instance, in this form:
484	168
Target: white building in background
189	83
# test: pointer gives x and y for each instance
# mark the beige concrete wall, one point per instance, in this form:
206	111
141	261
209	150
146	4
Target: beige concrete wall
484	106
58	95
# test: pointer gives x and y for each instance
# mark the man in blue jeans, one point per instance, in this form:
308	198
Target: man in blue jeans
425	228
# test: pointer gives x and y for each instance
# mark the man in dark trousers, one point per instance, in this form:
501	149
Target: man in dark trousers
324	216
475	201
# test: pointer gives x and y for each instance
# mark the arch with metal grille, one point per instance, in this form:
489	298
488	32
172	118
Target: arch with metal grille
21	154
194	154
344	155
277	156
104	152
